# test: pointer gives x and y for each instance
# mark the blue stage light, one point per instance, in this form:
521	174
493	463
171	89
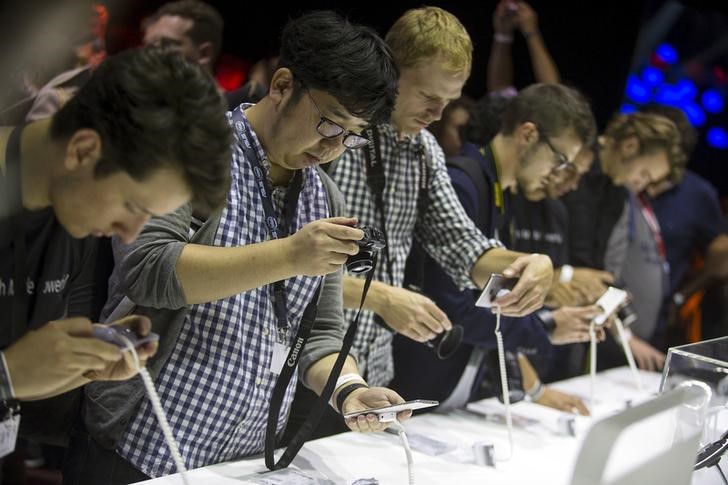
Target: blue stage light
667	53
637	91
712	101
695	114
717	138
667	94
627	108
652	76
686	90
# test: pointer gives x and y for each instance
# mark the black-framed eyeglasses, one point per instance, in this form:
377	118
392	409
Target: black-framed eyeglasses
330	129
562	163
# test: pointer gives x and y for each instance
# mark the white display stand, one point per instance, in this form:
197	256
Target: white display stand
541	454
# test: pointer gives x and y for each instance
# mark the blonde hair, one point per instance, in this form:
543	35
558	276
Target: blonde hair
655	132
424	33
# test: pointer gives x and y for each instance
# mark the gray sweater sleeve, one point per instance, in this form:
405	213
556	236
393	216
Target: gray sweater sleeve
145	270
328	332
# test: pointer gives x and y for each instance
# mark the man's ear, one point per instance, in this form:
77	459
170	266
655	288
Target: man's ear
83	150
281	85
204	54
629	147
527	132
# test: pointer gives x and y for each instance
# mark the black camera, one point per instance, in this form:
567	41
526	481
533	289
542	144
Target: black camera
369	246
446	343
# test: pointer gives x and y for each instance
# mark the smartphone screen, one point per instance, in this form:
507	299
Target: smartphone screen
396	408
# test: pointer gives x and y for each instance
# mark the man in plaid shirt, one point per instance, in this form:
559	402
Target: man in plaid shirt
207	283
434	54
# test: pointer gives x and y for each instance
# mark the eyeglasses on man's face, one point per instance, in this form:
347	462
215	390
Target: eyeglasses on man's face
330	129
563	165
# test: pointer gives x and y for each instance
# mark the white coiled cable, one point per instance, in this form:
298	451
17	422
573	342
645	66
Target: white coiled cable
158	411
504	381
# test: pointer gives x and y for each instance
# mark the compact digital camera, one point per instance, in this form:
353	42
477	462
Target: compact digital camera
369	246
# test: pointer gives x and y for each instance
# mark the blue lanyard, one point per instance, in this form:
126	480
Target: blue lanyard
271	221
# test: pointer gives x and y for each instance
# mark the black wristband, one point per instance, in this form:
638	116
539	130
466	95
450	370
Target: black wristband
344	393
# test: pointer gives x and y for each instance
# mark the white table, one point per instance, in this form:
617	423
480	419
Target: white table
541	455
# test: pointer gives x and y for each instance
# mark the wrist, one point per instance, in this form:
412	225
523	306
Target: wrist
536	391
502	38
566	273
343	381
532	33
379	297
346	392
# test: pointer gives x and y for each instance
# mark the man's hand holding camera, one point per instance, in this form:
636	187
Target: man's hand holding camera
322	246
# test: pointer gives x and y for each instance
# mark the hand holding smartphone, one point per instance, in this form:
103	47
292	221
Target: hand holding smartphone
495	285
396	408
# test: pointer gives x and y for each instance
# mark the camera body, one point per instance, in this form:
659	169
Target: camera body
369	246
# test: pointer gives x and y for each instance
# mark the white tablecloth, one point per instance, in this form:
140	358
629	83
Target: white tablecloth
541	455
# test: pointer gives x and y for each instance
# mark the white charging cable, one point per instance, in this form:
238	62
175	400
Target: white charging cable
158	411
407	450
624	339
504	377
592	362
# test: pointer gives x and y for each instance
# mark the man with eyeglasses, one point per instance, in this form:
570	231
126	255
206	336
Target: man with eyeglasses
228	290
543	129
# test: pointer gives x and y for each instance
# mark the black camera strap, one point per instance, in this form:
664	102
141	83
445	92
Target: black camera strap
376	180
271	221
294	355
13	193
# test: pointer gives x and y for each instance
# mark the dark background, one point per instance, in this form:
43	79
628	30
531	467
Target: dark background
592	42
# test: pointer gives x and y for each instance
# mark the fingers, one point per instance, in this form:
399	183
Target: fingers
438	315
85	363
577	405
79	327
96	348
365	423
340	231
139	323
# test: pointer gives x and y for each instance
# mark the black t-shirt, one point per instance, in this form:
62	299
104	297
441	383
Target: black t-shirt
594	210
63	277
540	227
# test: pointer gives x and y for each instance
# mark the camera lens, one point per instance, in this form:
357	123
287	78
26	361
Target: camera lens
446	343
359	263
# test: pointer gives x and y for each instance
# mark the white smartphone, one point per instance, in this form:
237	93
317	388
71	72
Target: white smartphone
496	283
396	408
609	303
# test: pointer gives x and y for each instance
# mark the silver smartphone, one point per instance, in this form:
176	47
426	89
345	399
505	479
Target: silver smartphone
396	408
496	283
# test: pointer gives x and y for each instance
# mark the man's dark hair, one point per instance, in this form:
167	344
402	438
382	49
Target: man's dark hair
350	62
207	23
154	109
486	119
554	108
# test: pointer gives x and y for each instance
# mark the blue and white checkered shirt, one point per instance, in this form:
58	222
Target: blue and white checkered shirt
216	387
444	230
